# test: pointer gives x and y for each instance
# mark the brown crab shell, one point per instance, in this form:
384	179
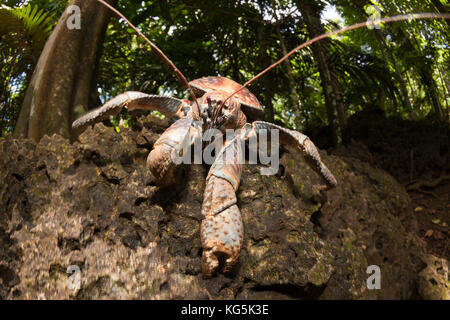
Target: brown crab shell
250	105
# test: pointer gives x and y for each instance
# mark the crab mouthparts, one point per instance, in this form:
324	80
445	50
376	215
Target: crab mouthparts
215	123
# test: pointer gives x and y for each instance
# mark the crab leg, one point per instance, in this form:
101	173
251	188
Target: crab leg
131	100
222	229
301	142
171	145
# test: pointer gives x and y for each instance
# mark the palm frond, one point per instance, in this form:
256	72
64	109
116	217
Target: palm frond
27	27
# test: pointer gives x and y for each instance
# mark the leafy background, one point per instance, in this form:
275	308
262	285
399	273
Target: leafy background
238	39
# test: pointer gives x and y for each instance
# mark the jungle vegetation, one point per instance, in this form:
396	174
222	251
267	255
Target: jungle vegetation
49	74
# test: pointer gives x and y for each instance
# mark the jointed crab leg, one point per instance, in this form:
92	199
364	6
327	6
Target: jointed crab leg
299	141
131	100
170	145
222	229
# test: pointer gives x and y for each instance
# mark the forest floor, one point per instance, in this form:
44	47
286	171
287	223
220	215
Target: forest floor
432	213
416	154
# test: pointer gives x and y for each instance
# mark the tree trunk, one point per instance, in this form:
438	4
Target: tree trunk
389	59
287	64
293	92
267	81
405	99
432	93
446	91
65	73
425	72
330	84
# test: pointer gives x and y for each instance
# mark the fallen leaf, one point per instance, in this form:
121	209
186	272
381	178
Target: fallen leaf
429	233
436	221
418	209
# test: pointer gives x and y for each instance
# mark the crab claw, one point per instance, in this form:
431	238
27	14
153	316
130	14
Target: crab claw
222	236
222	230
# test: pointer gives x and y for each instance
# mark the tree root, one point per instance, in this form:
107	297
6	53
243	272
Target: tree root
419	184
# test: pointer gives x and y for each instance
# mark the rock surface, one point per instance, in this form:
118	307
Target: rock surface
93	205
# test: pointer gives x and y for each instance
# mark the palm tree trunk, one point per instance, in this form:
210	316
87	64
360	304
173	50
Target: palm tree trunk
432	93
296	104
446	90
330	83
267	82
389	58
426	73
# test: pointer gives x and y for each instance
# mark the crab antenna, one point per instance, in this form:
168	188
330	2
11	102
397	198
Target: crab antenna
330	34
172	68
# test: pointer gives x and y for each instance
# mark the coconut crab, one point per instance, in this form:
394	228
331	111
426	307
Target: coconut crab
222	229
223	104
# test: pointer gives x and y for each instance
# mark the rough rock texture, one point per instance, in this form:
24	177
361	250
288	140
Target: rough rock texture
92	204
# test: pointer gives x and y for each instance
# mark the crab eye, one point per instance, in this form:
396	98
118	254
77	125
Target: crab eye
208	100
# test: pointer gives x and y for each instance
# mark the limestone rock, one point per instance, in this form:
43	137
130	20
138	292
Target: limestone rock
92	204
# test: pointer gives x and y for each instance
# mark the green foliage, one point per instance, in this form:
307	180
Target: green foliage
388	68
412	52
27	27
23	32
123	119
